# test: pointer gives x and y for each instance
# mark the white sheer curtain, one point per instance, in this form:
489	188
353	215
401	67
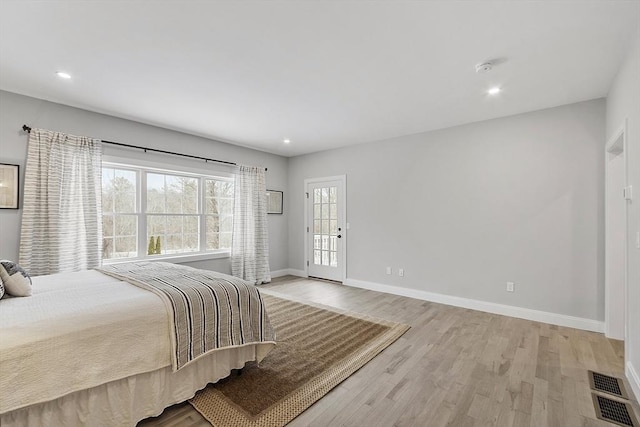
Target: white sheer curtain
250	244
61	218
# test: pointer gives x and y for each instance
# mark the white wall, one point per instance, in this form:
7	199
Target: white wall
16	110
464	210
623	102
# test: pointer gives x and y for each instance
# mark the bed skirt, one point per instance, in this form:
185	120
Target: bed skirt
127	401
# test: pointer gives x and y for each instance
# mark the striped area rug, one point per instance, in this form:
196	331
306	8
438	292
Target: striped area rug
317	348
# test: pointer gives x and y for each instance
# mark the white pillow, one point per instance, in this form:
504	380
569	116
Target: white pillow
16	281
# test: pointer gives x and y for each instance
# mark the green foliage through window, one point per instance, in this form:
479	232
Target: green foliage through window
176	213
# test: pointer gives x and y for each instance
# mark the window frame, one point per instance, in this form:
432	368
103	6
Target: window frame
141	168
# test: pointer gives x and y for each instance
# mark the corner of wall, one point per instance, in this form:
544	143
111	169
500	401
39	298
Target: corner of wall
288	272
634	379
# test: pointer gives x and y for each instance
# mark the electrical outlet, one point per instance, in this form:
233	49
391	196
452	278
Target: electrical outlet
401	272
388	270
511	286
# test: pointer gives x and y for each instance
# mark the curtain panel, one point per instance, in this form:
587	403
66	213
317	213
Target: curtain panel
61	218
250	242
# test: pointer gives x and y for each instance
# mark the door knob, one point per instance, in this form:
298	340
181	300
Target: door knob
339	236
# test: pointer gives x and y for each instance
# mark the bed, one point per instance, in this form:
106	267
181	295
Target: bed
89	348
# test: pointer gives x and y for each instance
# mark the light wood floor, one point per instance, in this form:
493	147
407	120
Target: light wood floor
454	367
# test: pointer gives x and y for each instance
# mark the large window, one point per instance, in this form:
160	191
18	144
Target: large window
150	213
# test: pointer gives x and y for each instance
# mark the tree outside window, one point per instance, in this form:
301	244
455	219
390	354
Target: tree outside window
182	213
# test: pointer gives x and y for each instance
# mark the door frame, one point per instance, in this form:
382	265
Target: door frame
612	143
342	200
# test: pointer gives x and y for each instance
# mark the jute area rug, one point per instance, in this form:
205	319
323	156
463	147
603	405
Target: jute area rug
317	348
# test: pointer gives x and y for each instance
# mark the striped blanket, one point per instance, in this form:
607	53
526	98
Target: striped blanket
208	310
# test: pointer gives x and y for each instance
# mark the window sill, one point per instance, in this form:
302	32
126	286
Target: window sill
173	258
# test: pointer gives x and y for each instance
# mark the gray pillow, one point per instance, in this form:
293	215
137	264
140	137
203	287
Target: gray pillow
1	288
15	279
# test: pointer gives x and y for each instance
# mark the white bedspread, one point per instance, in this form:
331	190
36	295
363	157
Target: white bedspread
72	334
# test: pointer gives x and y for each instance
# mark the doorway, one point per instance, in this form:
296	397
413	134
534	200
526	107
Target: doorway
616	194
325	231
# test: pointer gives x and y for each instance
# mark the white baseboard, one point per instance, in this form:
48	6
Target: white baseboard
489	307
634	380
280	273
288	272
299	273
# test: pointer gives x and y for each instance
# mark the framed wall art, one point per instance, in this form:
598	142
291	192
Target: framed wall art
274	202
9	186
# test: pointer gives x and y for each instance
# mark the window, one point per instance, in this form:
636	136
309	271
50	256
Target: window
219	213
325	226
150	213
173	216
119	213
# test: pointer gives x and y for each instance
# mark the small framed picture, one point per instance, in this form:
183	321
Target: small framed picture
274	202
9	186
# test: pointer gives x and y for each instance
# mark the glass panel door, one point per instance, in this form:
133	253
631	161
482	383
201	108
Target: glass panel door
325	230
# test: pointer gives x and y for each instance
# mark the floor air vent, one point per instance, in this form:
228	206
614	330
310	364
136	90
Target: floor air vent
607	384
614	411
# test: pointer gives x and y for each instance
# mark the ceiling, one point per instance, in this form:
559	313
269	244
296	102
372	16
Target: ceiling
323	74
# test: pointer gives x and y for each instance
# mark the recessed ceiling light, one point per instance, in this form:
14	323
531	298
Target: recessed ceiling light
494	91
63	75
286	141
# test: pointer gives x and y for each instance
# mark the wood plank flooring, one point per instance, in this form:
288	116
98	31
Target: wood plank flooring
455	367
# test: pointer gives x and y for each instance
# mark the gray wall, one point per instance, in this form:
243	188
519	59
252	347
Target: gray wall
462	210
466	209
16	110
623	102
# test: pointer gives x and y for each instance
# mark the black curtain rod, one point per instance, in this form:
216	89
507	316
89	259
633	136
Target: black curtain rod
120	144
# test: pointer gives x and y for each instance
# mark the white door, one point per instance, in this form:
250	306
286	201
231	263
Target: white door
326	237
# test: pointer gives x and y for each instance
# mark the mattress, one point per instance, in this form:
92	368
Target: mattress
89	349
73	333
